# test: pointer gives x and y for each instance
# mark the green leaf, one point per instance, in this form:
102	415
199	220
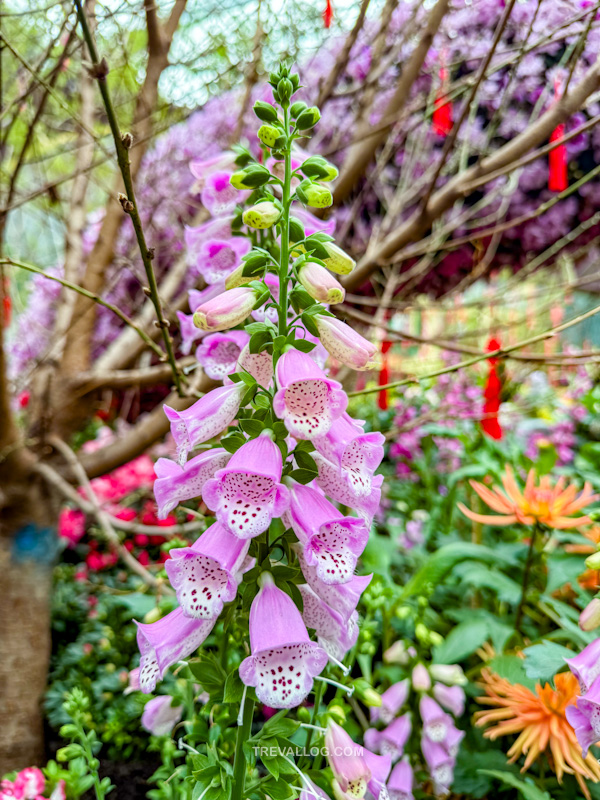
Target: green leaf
525	787
305	461
513	669
303	345
259	340
278	790
280	725
563	568
209	673
543	661
303	476
462	640
234	688
480	576
252	427
309	324
233	441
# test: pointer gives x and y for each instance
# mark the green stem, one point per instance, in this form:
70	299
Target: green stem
319	688
526	576
91	762
239	764
285	231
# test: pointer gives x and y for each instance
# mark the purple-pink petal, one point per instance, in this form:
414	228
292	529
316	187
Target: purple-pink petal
175	483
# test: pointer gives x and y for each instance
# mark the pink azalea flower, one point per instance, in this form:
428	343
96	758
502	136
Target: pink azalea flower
344	343
284	662
247	494
219	353
259	365
218	258
163	643
205	418
29	783
335	635
357	453
160	716
204	575
392	740
306	400
400	784
451	697
176	483
71	525
586	665
392	701
331	541
436	723
337	486
226	310
218	196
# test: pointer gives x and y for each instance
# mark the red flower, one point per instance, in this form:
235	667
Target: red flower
442	110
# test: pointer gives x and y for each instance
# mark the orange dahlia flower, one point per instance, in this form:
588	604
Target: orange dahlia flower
540	722
546	504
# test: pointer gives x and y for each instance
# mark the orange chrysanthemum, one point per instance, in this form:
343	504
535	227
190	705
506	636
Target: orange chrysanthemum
546	504
539	719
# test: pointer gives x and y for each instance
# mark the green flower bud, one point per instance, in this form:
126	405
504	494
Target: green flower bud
153	615
422	632
593	561
337	713
303	714
337	261
297	108
315	196
236	278
435	638
265	111
262	215
285	89
308	118
296	230
367	694
251	177
318	168
268	134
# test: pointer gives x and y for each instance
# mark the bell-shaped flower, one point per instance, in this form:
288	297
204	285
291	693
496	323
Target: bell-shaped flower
167	641
357	453
160	716
344	343
421	679
262	313
247	494
399	653
392	701
188	331
262	215
589	619
219	353
337	260
311	791
584	717
174	483
201	168
218	196
342	597
306	400
320	284
380	767
259	365
226	310
218	258
207	417
334	634
452	741
450	697
331	541
205	575
337	486
586	665
284	661
450	674
311	223
391	740
440	763
347	761
400	784
218	228
436	723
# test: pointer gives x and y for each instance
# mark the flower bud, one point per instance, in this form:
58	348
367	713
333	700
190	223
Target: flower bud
314	195
435	638
262	215
337	713
337	261
236	278
366	693
268	134
308	118
589	619
285	89
153	615
251	177
450	674
296	230
318	168
226	310
593	561
420	679
320	284
265	111
422	632
397	653
297	108
345	344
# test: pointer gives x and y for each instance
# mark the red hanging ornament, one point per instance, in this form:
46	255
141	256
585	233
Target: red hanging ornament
6	308
492	394
442	110
558	176
328	14
384	376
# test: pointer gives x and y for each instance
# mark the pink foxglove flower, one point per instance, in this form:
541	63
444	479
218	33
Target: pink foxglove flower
450	697
331	541
219	228
440	763
133	684
163	643
206	418
306	400
284	662
247	494
347	761
586	665
218	196
336	485
263	313
584	716
344	343
29	783
436	723
400	784
159	716
219	353
452	741
342	597
380	769
589	619
391	740
226	310
314	793
174	483
392	701
311	223
334	634
320	284
259	365
188	331
204	575
421	680
201	168
218	258
357	453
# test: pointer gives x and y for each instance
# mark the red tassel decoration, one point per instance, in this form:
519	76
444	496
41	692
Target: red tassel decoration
384	377
328	14
558	177
442	110
6	309
493	396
